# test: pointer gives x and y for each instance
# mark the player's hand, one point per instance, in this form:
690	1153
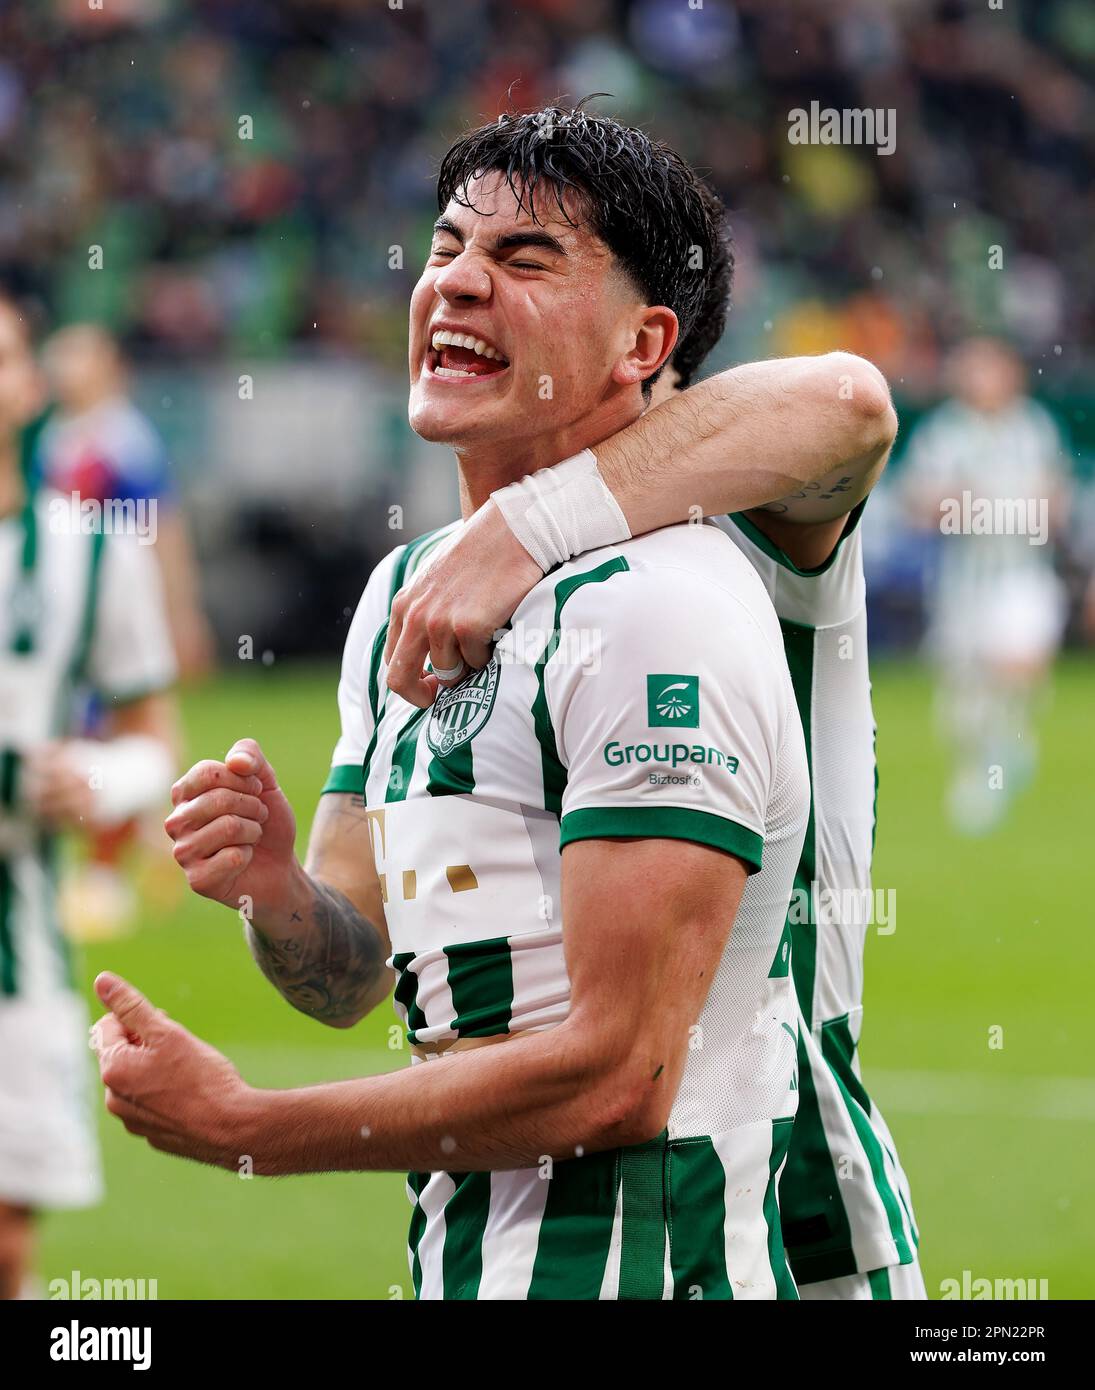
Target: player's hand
234	829
165	1084
452	609
57	786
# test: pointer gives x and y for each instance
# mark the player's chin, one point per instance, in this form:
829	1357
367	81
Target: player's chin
443	415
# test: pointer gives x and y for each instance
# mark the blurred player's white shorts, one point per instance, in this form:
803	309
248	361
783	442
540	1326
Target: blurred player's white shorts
897	1282
49	1153
1018	619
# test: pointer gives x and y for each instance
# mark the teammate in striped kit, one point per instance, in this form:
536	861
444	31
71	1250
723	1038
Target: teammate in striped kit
845	1204
80	607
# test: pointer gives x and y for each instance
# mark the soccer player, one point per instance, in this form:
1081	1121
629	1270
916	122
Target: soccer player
78	607
985	470
579	860
846	1211
98	446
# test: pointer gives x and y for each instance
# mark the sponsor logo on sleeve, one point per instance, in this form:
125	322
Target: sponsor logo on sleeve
673	702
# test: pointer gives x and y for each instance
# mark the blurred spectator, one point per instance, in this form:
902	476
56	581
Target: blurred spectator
98	445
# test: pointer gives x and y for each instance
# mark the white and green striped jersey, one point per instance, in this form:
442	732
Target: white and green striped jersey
640	690
80	609
844	1198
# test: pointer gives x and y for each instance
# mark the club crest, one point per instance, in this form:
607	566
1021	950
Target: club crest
461	711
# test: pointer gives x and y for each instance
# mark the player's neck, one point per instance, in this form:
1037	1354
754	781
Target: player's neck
12	490
488	466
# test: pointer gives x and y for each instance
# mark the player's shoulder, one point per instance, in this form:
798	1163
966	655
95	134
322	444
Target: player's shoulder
391	573
683	575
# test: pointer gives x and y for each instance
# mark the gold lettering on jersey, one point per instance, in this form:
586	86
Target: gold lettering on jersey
377	816
461	879
410	884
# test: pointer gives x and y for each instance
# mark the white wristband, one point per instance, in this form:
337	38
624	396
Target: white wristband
129	774
562	511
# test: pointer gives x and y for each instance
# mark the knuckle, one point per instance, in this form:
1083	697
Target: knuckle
438	627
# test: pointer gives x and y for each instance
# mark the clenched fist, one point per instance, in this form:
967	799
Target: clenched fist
234	829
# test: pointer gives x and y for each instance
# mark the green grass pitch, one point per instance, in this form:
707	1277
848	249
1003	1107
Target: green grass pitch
990	934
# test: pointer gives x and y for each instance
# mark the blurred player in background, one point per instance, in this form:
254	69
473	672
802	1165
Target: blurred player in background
986	468
79	608
97	444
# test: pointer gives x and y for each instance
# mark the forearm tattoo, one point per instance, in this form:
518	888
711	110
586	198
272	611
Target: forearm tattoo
330	969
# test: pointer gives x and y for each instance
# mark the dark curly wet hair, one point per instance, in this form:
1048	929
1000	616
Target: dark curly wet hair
635	194
710	322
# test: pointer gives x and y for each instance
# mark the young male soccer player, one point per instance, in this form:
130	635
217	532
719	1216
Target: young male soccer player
78	608
579	860
845	1205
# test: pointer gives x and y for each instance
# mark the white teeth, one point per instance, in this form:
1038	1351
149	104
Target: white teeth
450	371
443	338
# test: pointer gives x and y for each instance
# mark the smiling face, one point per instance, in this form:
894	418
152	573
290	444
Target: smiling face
522	329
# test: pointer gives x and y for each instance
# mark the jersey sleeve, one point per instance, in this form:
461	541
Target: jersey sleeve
130	653
359	684
665	694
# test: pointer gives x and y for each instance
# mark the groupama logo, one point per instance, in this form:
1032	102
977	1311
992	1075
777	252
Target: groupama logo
673	702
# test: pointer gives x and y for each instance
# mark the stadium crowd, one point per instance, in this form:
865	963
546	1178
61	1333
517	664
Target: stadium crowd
247	169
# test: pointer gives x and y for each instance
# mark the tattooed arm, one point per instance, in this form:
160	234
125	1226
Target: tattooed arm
316	931
325	955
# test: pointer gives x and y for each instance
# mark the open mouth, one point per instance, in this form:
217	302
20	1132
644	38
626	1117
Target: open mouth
459	356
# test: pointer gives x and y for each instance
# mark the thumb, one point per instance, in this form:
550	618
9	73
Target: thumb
128	1005
247	759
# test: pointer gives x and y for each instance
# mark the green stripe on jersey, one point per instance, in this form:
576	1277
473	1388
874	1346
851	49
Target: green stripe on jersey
403	756
663	822
8	972
879	1280
480	976
375	659
555	778
837	1048
798	643
416	1182
346	777
576	1229
697	1247
777	1255
9	977
643	1225
816	1230
406	994
466	1214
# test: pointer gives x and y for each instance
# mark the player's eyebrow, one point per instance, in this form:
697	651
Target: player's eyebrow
509	241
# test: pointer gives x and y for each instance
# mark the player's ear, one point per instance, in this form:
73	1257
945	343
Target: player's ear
655	338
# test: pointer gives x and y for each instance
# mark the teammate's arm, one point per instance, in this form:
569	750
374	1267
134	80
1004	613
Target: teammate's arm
803	439
645	923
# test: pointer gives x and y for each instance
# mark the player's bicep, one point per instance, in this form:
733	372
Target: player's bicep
645	923
340	855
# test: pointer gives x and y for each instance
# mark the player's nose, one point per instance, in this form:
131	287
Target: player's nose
464	280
